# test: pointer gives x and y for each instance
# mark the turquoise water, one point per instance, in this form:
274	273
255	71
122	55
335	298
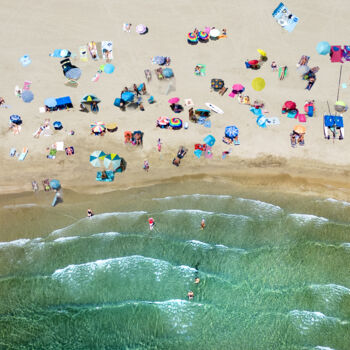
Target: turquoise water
272	276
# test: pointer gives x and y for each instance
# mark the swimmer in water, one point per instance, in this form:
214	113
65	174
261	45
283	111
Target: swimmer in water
90	214
196	280
190	295
151	223
202	224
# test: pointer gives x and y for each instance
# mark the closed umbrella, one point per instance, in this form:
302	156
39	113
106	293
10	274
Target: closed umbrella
55	184
109	68
50	102
258	84
299	129
128	96
168	72
231	131
174	100
73	73
141	29
95	158
27	96
16	119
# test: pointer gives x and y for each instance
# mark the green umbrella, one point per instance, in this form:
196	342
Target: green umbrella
89	99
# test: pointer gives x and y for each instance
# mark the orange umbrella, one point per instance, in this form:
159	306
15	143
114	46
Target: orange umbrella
299	129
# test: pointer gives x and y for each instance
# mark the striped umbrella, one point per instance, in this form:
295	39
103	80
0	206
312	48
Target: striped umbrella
203	36
112	159
192	38
95	158
231	131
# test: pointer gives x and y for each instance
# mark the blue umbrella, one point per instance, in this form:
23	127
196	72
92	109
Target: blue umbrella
128	96
168	72
27	96
231	131
57	125
109	68
159	60
15	119
323	48
50	102
117	102
55	184
73	73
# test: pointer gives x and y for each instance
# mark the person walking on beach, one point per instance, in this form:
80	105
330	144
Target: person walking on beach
146	165
90	214
159	145
202	224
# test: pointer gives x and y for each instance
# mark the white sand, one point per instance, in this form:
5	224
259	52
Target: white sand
39	27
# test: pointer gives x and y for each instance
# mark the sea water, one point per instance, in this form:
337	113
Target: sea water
272	276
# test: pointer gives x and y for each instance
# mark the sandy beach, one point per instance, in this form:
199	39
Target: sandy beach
262	154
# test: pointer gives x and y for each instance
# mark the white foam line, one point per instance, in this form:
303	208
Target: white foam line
17	206
189	211
304	218
335	201
261	205
18	242
194	196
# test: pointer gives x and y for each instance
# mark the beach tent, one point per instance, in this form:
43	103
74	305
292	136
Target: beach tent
64	102
128	96
333	123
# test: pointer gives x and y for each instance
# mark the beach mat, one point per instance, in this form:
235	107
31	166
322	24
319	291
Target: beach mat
83	53
92	47
23	154
107	50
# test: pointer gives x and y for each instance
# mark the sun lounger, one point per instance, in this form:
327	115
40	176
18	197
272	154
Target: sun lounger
107	50
23	154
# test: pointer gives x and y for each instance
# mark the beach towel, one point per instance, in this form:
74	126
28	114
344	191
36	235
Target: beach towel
302	118
285	18
201	70
25	60
92	47
26	85
208	153
292	114
261	121
110	176
304	60
83	53
23	154
256	111
59	145
107	50
282	72
336	54
198	153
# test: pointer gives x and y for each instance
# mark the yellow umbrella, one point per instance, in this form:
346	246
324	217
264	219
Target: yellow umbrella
258	84
262	52
299	129
112	127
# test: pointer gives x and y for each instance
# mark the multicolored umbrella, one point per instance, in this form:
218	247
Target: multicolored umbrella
163	121
112	159
141	29
175	123
98	129
95	158
231	131
192	37
174	100
203	36
89	99
299	129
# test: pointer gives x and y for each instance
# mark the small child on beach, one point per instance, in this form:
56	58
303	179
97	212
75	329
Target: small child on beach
159	145
146	165
274	66
90	214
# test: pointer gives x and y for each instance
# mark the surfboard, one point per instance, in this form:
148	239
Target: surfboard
214	108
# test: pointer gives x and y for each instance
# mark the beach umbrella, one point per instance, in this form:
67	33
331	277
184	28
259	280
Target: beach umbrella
128	96
174	100
98	129
102	124
168	72
253	62
141	29
231	131
303	69
117	102
27	96
258	84
289	105
57	125
299	129
261	52
111	127
95	158
64	53
109	68
55	184
203	36
238	88
89	99
73	73
16	119
112	159
159	60
323	48
192	38
163	121
214	34
175	123
50	102
340	106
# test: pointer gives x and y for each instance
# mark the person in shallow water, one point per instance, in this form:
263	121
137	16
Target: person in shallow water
90	214
196	280
190	295
151	223
202	224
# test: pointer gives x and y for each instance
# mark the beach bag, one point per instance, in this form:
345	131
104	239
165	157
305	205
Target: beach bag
217	84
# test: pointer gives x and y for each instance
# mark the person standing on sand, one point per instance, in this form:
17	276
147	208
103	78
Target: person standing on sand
159	145
146	165
90	214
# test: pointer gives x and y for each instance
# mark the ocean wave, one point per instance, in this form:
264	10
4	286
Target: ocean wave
189	211
319	347
305	320
22	205
193	196
345	245
330	292
259	205
307	218
203	245
106	234
122	264
336	201
18	242
65	239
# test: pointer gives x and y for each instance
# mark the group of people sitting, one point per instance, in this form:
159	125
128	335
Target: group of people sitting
296	139
180	154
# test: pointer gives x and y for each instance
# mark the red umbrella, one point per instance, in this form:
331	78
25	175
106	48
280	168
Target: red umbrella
174	100
253	62
289	105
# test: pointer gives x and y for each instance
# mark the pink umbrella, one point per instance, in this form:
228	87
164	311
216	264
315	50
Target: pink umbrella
236	89
174	100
